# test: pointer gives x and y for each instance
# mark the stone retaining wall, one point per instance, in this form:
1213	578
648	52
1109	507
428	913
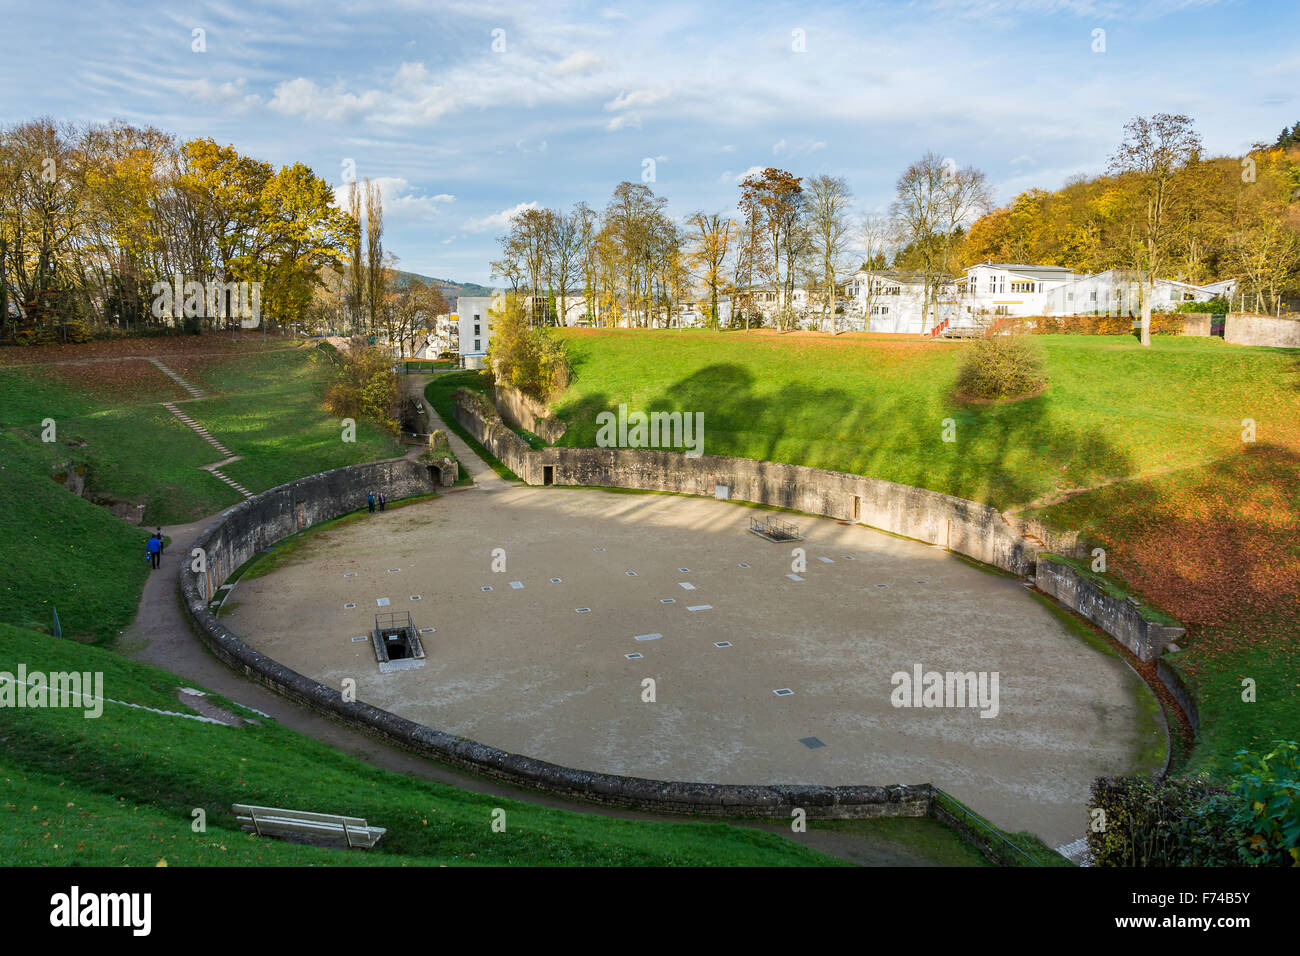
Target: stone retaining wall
955	523
259	522
966	527
1117	616
521	411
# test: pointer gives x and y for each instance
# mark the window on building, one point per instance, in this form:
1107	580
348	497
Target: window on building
478	347
1092	296
477	329
1001	310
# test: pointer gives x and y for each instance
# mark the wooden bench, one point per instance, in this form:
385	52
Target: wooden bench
328	828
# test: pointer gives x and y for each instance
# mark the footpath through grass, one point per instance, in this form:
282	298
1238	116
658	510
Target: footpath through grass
60	550
121	789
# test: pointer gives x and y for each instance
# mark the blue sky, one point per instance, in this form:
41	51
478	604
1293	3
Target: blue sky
582	95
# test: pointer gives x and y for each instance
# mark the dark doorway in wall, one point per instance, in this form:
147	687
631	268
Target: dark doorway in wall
857	508
548	474
435	475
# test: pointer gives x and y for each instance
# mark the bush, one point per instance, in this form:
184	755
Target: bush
1267	809
364	386
1162	323
1004	366
1218	306
1175	822
531	360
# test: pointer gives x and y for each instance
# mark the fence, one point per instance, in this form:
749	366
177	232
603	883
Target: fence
986	837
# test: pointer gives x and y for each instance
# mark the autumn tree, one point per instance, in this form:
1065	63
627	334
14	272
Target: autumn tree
934	200
711	240
1153	152
774	199
376	284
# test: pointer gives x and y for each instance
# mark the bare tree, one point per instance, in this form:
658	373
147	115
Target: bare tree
376	284
1154	150
714	235
934	200
873	241
829	199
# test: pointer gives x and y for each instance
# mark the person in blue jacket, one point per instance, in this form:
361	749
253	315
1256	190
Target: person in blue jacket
154	549
370	501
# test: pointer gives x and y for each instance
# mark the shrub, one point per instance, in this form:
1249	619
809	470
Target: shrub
364	386
1004	366
1267	808
531	360
1176	822
1218	306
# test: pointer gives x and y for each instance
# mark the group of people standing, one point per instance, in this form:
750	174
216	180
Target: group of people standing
372	500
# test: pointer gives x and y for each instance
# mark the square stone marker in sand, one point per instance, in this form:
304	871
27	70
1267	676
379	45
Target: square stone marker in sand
382	602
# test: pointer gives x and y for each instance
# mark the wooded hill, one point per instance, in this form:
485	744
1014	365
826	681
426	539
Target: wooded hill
1228	217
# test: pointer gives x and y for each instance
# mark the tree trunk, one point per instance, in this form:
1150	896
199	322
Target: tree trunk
1147	292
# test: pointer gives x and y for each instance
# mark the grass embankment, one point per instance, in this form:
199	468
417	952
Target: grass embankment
1196	521
61	550
121	790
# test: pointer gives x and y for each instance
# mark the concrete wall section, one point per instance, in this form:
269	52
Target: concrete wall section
1241	329
973	529
521	411
1117	616
260	521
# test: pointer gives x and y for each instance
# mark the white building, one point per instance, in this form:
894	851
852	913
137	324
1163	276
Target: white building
989	291
474	328
1119	292
891	300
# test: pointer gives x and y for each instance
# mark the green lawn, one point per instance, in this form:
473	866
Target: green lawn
61	551
877	407
121	790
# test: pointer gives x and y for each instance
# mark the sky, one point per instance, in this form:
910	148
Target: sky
464	112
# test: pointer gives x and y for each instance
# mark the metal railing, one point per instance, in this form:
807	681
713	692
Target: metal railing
980	829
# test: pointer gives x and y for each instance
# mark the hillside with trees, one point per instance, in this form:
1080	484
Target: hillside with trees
1207	219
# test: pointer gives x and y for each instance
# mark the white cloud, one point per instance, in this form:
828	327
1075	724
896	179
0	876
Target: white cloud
302	97
732	179
231	95
638	98
779	147
498	220
581	61
624	121
401	203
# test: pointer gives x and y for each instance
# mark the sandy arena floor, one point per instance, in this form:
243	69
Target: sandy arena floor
518	668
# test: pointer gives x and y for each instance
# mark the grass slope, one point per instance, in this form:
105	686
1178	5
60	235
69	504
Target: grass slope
122	788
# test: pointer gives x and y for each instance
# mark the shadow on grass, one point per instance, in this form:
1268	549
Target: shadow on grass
997	454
